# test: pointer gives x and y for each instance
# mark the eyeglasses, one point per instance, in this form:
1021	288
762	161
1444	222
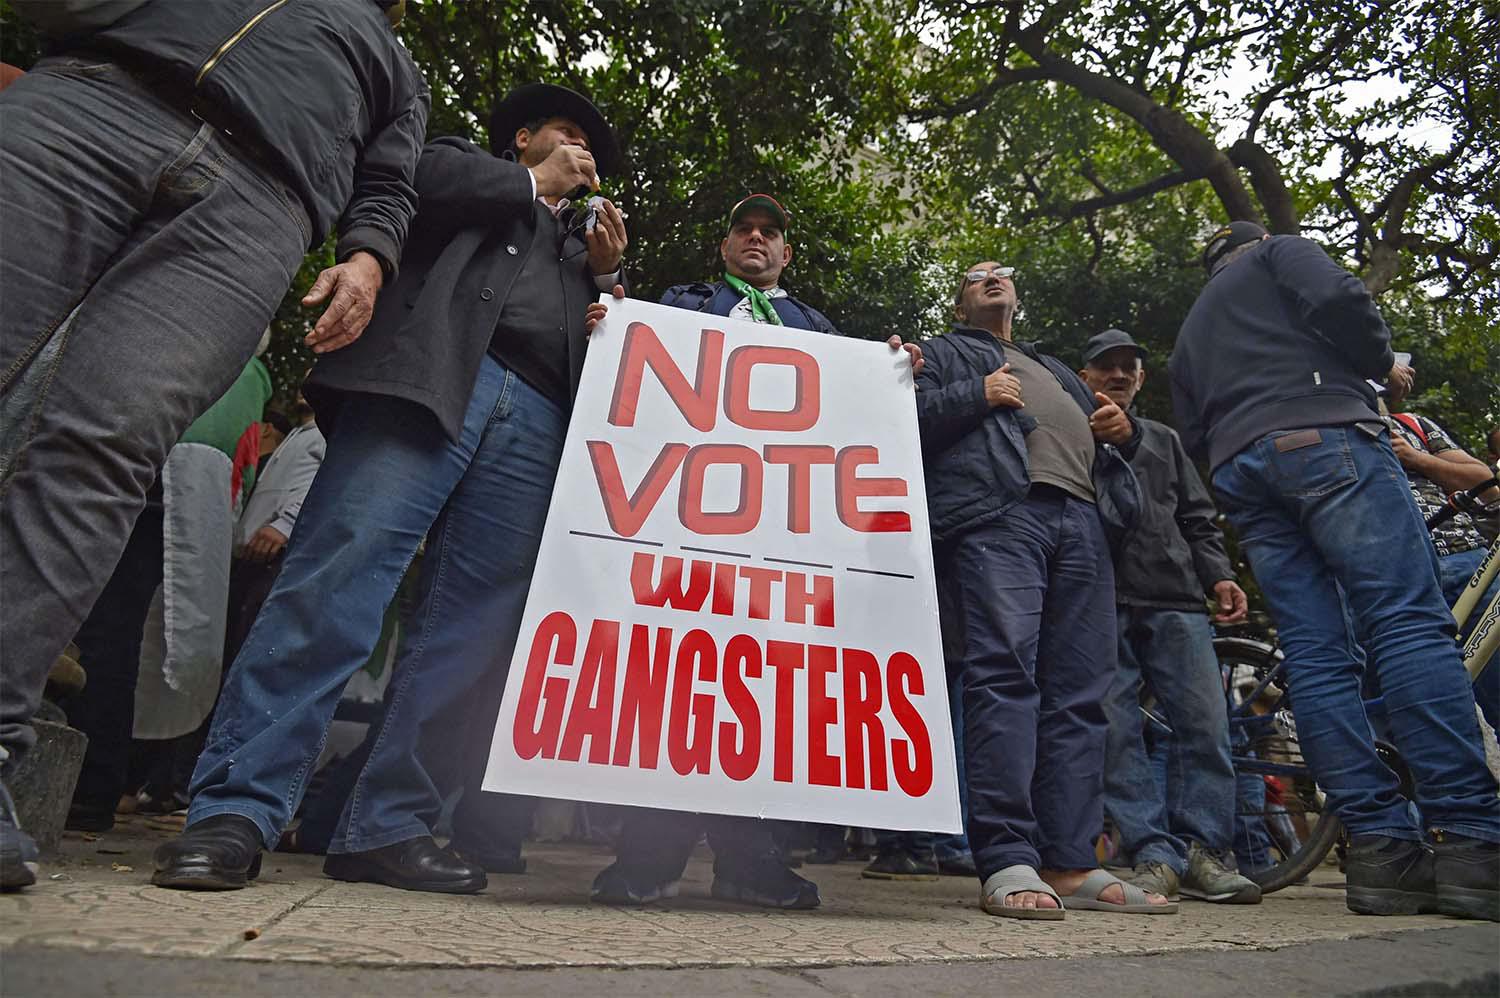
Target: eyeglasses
975	276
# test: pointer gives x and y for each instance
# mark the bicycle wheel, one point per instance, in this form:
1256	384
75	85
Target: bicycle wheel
1283	828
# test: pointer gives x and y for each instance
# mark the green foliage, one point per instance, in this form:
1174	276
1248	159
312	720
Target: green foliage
911	138
712	99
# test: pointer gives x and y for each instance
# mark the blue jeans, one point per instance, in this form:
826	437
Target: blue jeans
390	478
1329	509
1173	651
1454	572
141	256
1033	600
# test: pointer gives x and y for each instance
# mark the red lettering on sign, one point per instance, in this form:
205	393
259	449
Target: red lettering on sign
530	738
800	599
803	414
644	695
626	515
822	711
725	577
849	489
786	658
799	459
740	520
739	758
593	710
903	675
690	736
668	590
863	735
760	589
698	402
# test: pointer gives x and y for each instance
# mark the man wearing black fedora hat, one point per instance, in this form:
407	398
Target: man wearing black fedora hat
445	421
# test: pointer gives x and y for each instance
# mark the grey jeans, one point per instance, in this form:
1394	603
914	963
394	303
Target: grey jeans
141	256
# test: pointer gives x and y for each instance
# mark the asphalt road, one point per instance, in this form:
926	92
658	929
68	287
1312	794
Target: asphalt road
1464	960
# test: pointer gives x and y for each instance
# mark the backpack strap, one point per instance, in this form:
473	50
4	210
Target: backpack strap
1411	422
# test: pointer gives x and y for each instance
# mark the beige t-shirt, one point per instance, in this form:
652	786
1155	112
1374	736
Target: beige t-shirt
1060	450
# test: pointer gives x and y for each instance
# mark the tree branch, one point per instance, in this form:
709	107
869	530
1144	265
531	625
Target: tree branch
1089	206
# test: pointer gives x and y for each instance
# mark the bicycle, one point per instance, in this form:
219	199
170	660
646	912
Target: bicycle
1289	825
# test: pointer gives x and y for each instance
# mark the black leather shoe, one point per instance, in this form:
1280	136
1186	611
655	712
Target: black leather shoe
414	865
221	853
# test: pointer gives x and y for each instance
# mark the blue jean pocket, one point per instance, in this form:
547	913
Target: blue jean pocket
1310	463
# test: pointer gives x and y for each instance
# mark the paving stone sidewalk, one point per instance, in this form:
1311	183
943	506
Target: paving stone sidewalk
97	897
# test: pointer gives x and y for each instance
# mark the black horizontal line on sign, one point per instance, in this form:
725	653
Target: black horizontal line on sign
872	571
732	554
612	537
788	561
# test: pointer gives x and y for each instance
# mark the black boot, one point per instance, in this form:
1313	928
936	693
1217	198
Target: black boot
1468	876
763	880
1389	877
221	853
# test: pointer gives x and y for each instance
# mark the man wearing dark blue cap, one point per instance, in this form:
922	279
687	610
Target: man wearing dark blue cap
1270	380
445	422
1179	834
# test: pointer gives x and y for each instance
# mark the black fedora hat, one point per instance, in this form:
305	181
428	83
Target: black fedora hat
545	100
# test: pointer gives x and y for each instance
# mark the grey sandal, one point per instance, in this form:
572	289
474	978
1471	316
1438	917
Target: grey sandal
1016	880
1086	897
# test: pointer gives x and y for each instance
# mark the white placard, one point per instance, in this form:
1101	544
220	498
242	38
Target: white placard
733	610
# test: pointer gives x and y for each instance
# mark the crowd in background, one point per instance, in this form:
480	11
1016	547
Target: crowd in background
1077	548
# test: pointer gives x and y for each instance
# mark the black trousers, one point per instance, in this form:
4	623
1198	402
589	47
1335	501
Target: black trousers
109	645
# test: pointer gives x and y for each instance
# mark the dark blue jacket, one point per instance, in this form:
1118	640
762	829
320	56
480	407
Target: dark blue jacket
975	454
719	299
1280	339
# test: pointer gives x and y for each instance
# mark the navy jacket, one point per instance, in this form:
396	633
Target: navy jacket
719	299
975	454
324	87
1280	339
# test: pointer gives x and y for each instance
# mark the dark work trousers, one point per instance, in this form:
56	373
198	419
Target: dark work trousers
487	825
1033	596
658	843
109	646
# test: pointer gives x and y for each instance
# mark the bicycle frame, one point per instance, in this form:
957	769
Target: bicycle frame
1480	646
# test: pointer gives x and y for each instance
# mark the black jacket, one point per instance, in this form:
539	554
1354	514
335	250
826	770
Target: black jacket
321	89
975	456
433	324
1280	339
720	299
1176	552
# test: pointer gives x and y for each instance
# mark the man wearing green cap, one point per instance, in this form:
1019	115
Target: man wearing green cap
755	252
654	845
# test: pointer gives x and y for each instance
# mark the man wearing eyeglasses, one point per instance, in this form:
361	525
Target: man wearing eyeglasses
654	845
1027	486
445	421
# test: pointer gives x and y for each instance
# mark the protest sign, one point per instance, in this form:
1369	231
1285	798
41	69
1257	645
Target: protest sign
733	610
